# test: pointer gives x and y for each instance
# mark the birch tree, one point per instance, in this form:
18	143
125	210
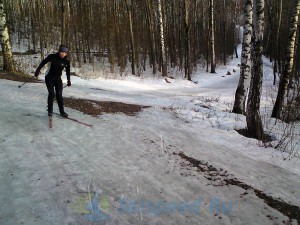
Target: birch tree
162	40
289	62
254	124
8	63
245	72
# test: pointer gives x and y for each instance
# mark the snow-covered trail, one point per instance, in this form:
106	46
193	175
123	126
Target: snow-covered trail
47	175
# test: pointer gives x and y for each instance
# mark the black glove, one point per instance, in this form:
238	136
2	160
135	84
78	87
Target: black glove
36	74
69	83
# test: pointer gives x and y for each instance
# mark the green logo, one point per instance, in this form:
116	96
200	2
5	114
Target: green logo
93	206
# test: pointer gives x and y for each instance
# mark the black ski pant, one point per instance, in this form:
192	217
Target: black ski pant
54	83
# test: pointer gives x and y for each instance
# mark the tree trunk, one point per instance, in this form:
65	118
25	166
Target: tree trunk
254	124
133	55
63	23
110	38
8	63
162	40
121	49
289	62
236	30
245	71
180	44
33	26
277	56
223	27
212	38
41	29
151	35
76	41
187	40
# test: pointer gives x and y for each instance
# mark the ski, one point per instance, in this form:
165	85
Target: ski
75	120
50	122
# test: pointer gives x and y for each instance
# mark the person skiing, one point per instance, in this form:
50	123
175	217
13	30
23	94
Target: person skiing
58	62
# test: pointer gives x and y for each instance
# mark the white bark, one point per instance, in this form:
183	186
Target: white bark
5	42
162	39
245	74
289	62
254	123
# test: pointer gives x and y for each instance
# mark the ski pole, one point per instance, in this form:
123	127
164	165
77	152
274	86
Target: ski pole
25	82
65	86
22	84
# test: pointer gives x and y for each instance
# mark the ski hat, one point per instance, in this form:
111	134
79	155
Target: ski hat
63	48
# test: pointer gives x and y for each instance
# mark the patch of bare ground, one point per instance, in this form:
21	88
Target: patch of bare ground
16	76
95	108
90	107
219	177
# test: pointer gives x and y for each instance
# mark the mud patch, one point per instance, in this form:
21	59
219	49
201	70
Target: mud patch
95	108
18	77
220	178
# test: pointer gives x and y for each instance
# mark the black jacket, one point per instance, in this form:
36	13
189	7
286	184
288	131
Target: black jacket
56	67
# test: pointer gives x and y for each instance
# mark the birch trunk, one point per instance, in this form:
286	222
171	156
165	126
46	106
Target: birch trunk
289	62
253	119
8	63
162	40
245	74
212	38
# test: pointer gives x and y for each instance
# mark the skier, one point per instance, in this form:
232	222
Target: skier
58	62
